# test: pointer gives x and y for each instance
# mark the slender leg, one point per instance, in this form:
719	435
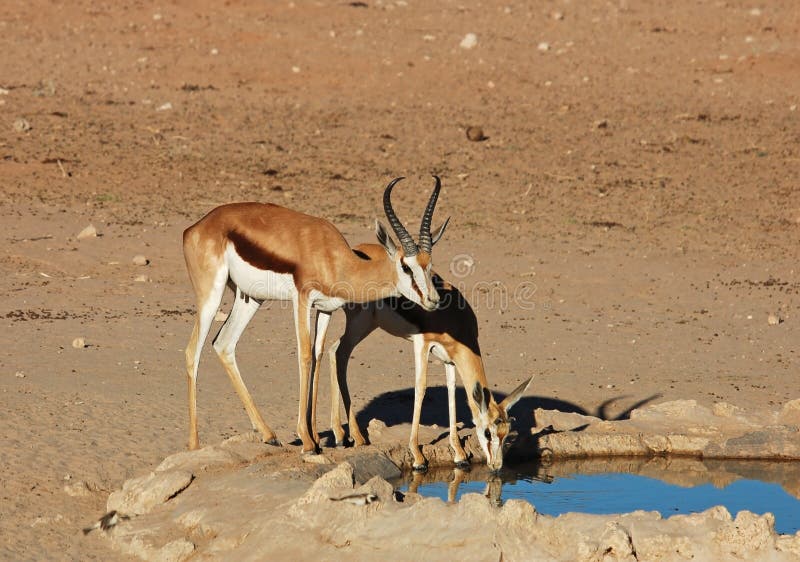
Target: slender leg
459	456
323	319
420	384
452	487
359	325
225	346
336	414
207	305
302	321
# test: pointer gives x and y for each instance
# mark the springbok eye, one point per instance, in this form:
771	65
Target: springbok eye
488	435
406	269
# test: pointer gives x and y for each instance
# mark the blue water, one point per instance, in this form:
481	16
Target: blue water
621	493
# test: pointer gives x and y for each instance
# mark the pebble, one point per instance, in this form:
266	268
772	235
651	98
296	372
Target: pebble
79	343
469	41
475	134
220	316
88	232
142	278
543	46
19	375
601	124
22	125
773	320
140	260
164	107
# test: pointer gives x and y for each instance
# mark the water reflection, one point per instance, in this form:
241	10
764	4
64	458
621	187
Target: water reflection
618	485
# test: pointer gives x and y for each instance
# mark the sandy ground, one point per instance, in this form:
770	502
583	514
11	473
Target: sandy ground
624	230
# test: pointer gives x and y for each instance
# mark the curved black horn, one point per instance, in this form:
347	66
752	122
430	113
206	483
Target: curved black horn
425	243
408	244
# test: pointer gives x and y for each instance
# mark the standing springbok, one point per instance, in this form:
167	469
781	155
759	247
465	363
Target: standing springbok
268	252
451	333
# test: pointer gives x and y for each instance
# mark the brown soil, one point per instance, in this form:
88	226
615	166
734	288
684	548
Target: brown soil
636	180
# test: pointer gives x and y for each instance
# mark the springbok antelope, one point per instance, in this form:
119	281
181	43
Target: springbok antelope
451	333
268	252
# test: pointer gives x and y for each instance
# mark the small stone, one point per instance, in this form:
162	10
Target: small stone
469	41
475	134
557	16
164	107
317	459
601	124
141	278
19	375
296	69
22	126
220	316
543	46
79	343
88	232
77	489
773	320
140	260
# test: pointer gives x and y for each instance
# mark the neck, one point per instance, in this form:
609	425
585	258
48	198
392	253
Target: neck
367	276
470	368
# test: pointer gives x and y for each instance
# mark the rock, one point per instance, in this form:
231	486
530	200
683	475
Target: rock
220	316
199	460
543	47
77	489
475	134
21	125
88	232
369	465
139	259
616	544
601	124
140	495
78	343
773	320
790	413
317	459
141	278
469	41
164	107
332	483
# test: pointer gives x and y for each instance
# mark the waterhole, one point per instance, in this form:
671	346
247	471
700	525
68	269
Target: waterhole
621	485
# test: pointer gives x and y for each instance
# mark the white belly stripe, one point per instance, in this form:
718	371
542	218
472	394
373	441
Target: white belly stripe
257	283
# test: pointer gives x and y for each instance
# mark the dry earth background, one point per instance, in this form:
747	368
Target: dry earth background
639	173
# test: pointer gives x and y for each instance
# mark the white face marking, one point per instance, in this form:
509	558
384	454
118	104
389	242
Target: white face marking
414	275
491	443
257	283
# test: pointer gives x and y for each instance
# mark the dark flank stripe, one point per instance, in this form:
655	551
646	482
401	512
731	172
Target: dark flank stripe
257	256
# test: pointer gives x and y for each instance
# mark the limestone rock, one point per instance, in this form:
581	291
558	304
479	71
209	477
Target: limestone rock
199	460
141	495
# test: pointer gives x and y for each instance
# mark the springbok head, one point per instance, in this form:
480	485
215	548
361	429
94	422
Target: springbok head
412	260
492	423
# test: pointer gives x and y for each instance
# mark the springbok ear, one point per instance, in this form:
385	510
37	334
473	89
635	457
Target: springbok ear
384	238
515	395
479	395
438	232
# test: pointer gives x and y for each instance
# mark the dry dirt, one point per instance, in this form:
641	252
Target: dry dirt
635	186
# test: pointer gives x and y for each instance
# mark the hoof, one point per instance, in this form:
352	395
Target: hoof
340	445
274	442
463	465
421	468
315	451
